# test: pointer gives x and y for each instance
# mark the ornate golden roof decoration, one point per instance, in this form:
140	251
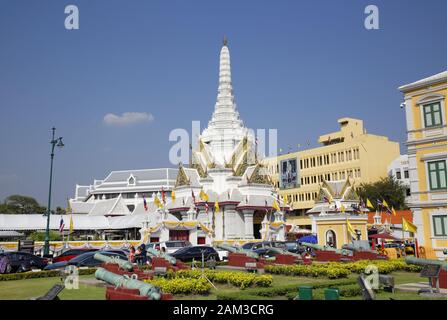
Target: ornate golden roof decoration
182	178
259	176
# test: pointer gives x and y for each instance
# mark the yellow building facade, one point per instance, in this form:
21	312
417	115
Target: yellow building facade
349	152
426	117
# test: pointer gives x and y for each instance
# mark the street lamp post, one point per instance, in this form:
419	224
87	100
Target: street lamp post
54	143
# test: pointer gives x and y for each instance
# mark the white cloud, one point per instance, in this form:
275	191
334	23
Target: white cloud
127	118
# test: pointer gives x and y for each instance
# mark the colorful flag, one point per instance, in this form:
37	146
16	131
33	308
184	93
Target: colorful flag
173	195
145	203
61	225
193	196
203	195
342	208
216	206
351	230
163	195
328	199
393	211
71	224
206	207
276	206
157	202
369	204
408	226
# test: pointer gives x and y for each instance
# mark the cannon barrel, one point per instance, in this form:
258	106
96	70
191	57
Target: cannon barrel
344	252
156	253
282	251
232	249
115	260
145	289
351	247
424	262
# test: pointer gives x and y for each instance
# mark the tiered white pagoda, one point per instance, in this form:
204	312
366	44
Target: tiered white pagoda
224	169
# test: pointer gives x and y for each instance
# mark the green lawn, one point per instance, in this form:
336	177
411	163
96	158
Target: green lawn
31	288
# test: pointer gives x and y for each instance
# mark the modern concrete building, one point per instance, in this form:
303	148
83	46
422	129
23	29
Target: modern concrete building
399	169
349	152
426	115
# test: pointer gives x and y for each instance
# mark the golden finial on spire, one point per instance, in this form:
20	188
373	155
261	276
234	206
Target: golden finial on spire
225	41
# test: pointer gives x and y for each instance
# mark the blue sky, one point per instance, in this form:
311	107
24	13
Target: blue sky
297	66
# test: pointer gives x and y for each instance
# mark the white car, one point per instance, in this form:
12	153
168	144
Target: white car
169	246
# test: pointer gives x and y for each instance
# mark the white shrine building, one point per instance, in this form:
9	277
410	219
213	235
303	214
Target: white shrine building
224	194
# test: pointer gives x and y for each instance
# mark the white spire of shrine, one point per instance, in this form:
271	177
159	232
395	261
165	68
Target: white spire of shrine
225	129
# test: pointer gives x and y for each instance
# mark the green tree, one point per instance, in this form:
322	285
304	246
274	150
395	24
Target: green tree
40	236
18	204
388	189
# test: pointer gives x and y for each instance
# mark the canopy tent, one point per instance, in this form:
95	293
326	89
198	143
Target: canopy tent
386	236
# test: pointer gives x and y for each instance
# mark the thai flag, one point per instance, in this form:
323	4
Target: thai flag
61	225
145	203
163	195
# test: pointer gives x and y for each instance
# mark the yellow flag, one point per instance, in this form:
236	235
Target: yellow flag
408	226
385	204
157	202
173	195
393	211
275	205
216	206
369	204
203	196
342	208
284	198
351	230
71	224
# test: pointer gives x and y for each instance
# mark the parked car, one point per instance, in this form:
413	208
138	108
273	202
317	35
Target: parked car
70	254
264	244
187	254
86	260
169	246
20	262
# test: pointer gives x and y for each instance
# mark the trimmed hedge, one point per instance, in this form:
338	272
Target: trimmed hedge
41	274
334	270
182	285
238	279
288	290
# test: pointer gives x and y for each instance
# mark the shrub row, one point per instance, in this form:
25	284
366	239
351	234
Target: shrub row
241	280
334	270
41	274
315	270
181	285
288	290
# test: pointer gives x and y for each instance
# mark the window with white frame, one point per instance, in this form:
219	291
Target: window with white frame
432	114
440	226
437	175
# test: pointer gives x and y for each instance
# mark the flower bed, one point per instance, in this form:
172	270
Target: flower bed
238	279
334	270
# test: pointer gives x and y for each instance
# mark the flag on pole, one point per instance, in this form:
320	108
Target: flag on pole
173	195
203	195
163	195
369	204
216	206
206	207
145	203
157	202
408	226
351	230
61	225
276	206
393	211
385	204
328	199
342	208
193	196
71	224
